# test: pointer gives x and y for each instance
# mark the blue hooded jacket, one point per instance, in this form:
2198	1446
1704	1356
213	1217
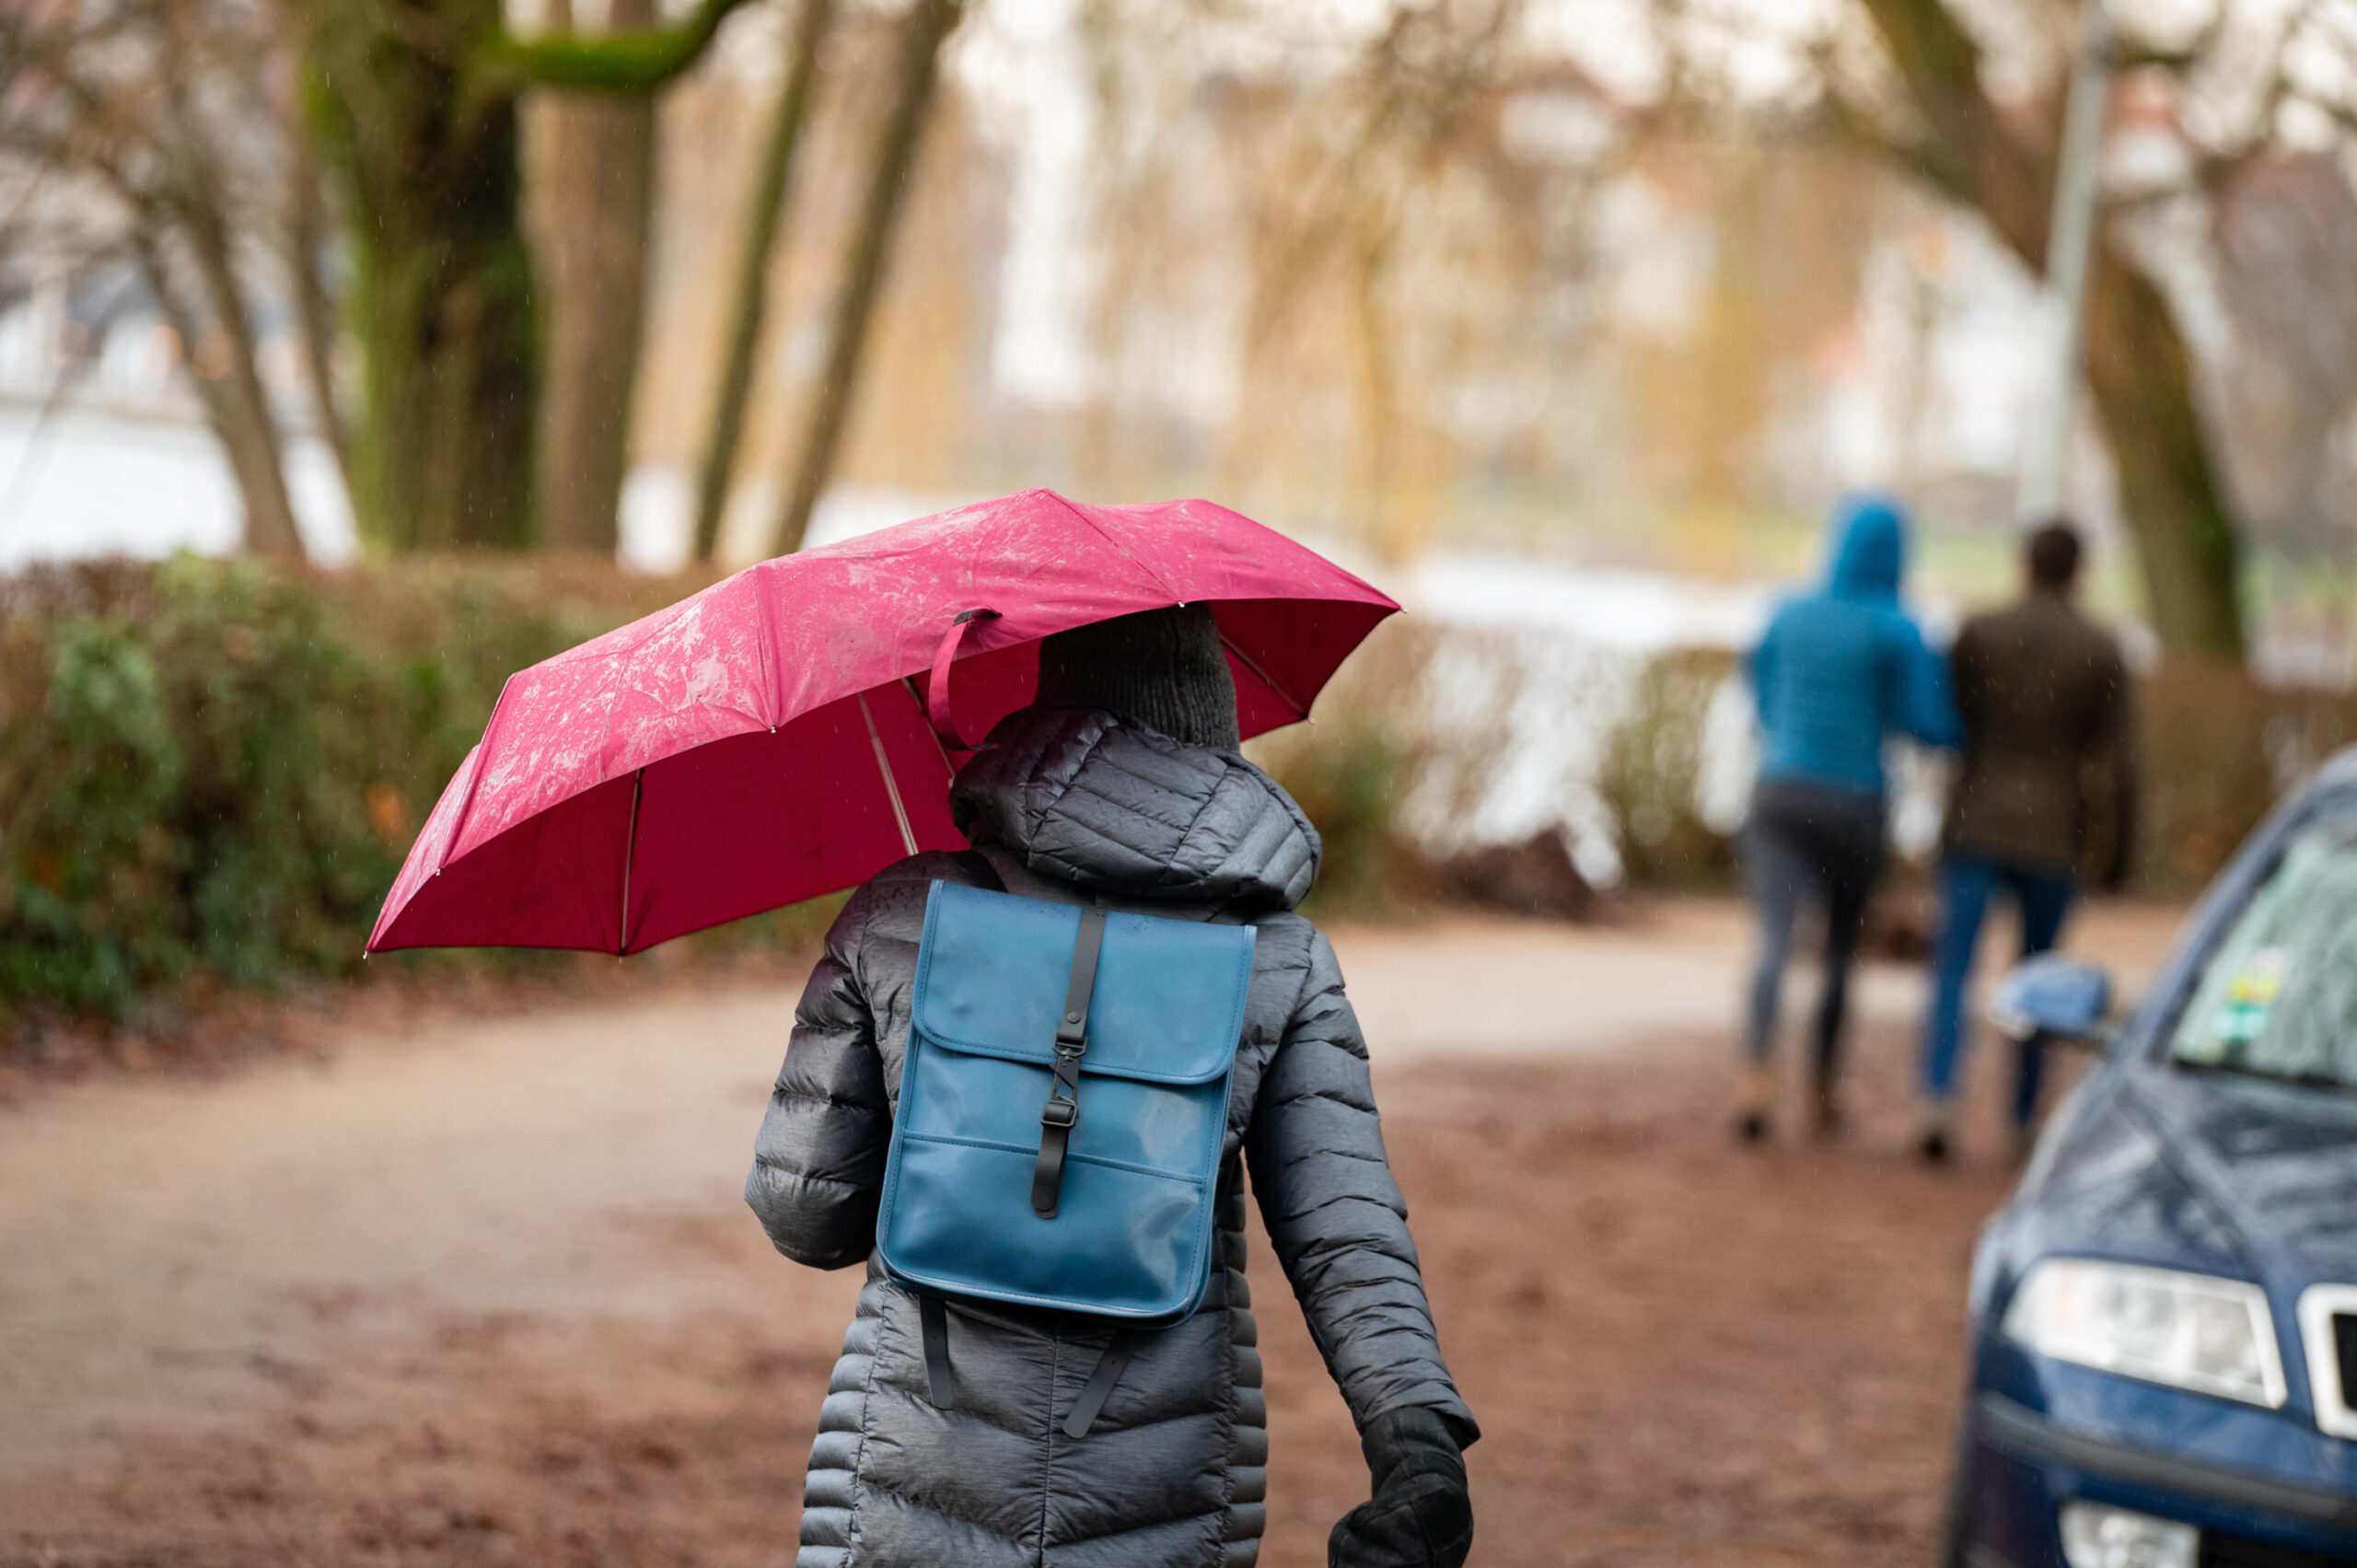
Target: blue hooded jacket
1841	669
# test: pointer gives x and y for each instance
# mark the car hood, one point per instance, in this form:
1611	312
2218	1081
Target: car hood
2276	1163
2202	1171
2110	1187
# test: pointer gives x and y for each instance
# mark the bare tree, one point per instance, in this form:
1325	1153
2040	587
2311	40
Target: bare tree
749	288
126	101
1924	99
1395	229
929	23
304	237
2286	234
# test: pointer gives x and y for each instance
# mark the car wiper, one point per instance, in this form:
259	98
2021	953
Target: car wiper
2243	1070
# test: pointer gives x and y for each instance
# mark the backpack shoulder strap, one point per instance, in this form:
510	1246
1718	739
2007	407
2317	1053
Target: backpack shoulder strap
985	875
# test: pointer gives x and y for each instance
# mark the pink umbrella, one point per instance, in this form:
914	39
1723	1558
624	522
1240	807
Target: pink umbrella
789	731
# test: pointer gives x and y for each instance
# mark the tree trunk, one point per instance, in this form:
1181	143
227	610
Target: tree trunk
304	237
929	23
1378	399
589	172
440	295
257	454
2142	381
198	211
2137	367
764	210
414	111
443	292
242	426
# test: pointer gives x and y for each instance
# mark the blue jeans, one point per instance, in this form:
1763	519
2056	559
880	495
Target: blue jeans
1966	887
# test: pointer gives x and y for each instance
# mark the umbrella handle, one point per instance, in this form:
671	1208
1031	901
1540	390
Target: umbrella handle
937	708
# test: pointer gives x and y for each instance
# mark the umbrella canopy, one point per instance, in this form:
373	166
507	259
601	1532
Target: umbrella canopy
791	730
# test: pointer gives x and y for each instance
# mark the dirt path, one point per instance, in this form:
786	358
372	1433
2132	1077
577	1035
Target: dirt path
488	1293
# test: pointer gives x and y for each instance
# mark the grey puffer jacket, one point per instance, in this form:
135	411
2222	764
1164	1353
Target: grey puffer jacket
1070	803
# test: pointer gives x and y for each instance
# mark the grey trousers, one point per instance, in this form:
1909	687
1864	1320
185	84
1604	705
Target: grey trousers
1808	843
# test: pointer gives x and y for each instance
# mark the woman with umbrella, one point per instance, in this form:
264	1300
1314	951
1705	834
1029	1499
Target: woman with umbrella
1158	636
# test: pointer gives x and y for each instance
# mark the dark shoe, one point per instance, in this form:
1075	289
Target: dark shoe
1754	1102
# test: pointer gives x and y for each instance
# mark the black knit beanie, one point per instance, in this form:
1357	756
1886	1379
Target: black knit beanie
1163	668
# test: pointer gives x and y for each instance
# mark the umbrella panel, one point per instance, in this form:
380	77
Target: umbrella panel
708	836
1306	638
727	829
553	880
768	818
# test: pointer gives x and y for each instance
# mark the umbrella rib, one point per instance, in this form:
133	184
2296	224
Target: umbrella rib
1248	662
474	784
891	785
630	853
1098	528
909	681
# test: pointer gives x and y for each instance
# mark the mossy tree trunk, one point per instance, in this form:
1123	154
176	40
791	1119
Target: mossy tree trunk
589	168
413	105
439	292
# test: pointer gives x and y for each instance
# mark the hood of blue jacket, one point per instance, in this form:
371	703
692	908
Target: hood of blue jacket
1869	548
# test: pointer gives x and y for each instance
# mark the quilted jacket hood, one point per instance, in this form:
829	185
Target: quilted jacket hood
1106	803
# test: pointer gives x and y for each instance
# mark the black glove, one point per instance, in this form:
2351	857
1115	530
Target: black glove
1421	1515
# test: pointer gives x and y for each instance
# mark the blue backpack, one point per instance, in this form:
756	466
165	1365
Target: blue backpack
1063	1103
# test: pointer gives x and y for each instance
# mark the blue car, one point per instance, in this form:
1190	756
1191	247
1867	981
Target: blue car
2164	1314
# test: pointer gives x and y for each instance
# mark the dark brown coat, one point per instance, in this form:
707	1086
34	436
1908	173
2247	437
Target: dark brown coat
2043	693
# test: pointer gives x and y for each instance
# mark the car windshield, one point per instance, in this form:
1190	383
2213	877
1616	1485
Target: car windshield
2280	998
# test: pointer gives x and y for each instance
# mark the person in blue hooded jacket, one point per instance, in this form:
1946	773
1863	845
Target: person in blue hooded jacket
1837	672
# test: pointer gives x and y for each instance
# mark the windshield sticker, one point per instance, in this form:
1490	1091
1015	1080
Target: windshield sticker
2250	995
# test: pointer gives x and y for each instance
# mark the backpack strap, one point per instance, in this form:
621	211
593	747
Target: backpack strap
936	1320
986	876
1100	1383
1061	1110
933	1315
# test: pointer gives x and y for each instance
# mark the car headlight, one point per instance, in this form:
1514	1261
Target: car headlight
2097	1536
2192	1331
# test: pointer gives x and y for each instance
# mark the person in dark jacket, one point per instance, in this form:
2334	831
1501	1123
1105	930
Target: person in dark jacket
2043	693
1121	784
1837	672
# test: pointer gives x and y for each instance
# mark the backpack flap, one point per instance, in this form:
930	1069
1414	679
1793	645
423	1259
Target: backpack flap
1126	1229
1168	1002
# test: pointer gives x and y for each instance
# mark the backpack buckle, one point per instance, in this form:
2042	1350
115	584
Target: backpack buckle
1060	1112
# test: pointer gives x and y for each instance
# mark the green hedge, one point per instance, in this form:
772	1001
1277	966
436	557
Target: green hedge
209	772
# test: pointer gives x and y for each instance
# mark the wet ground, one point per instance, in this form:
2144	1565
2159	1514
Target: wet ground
484	1291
